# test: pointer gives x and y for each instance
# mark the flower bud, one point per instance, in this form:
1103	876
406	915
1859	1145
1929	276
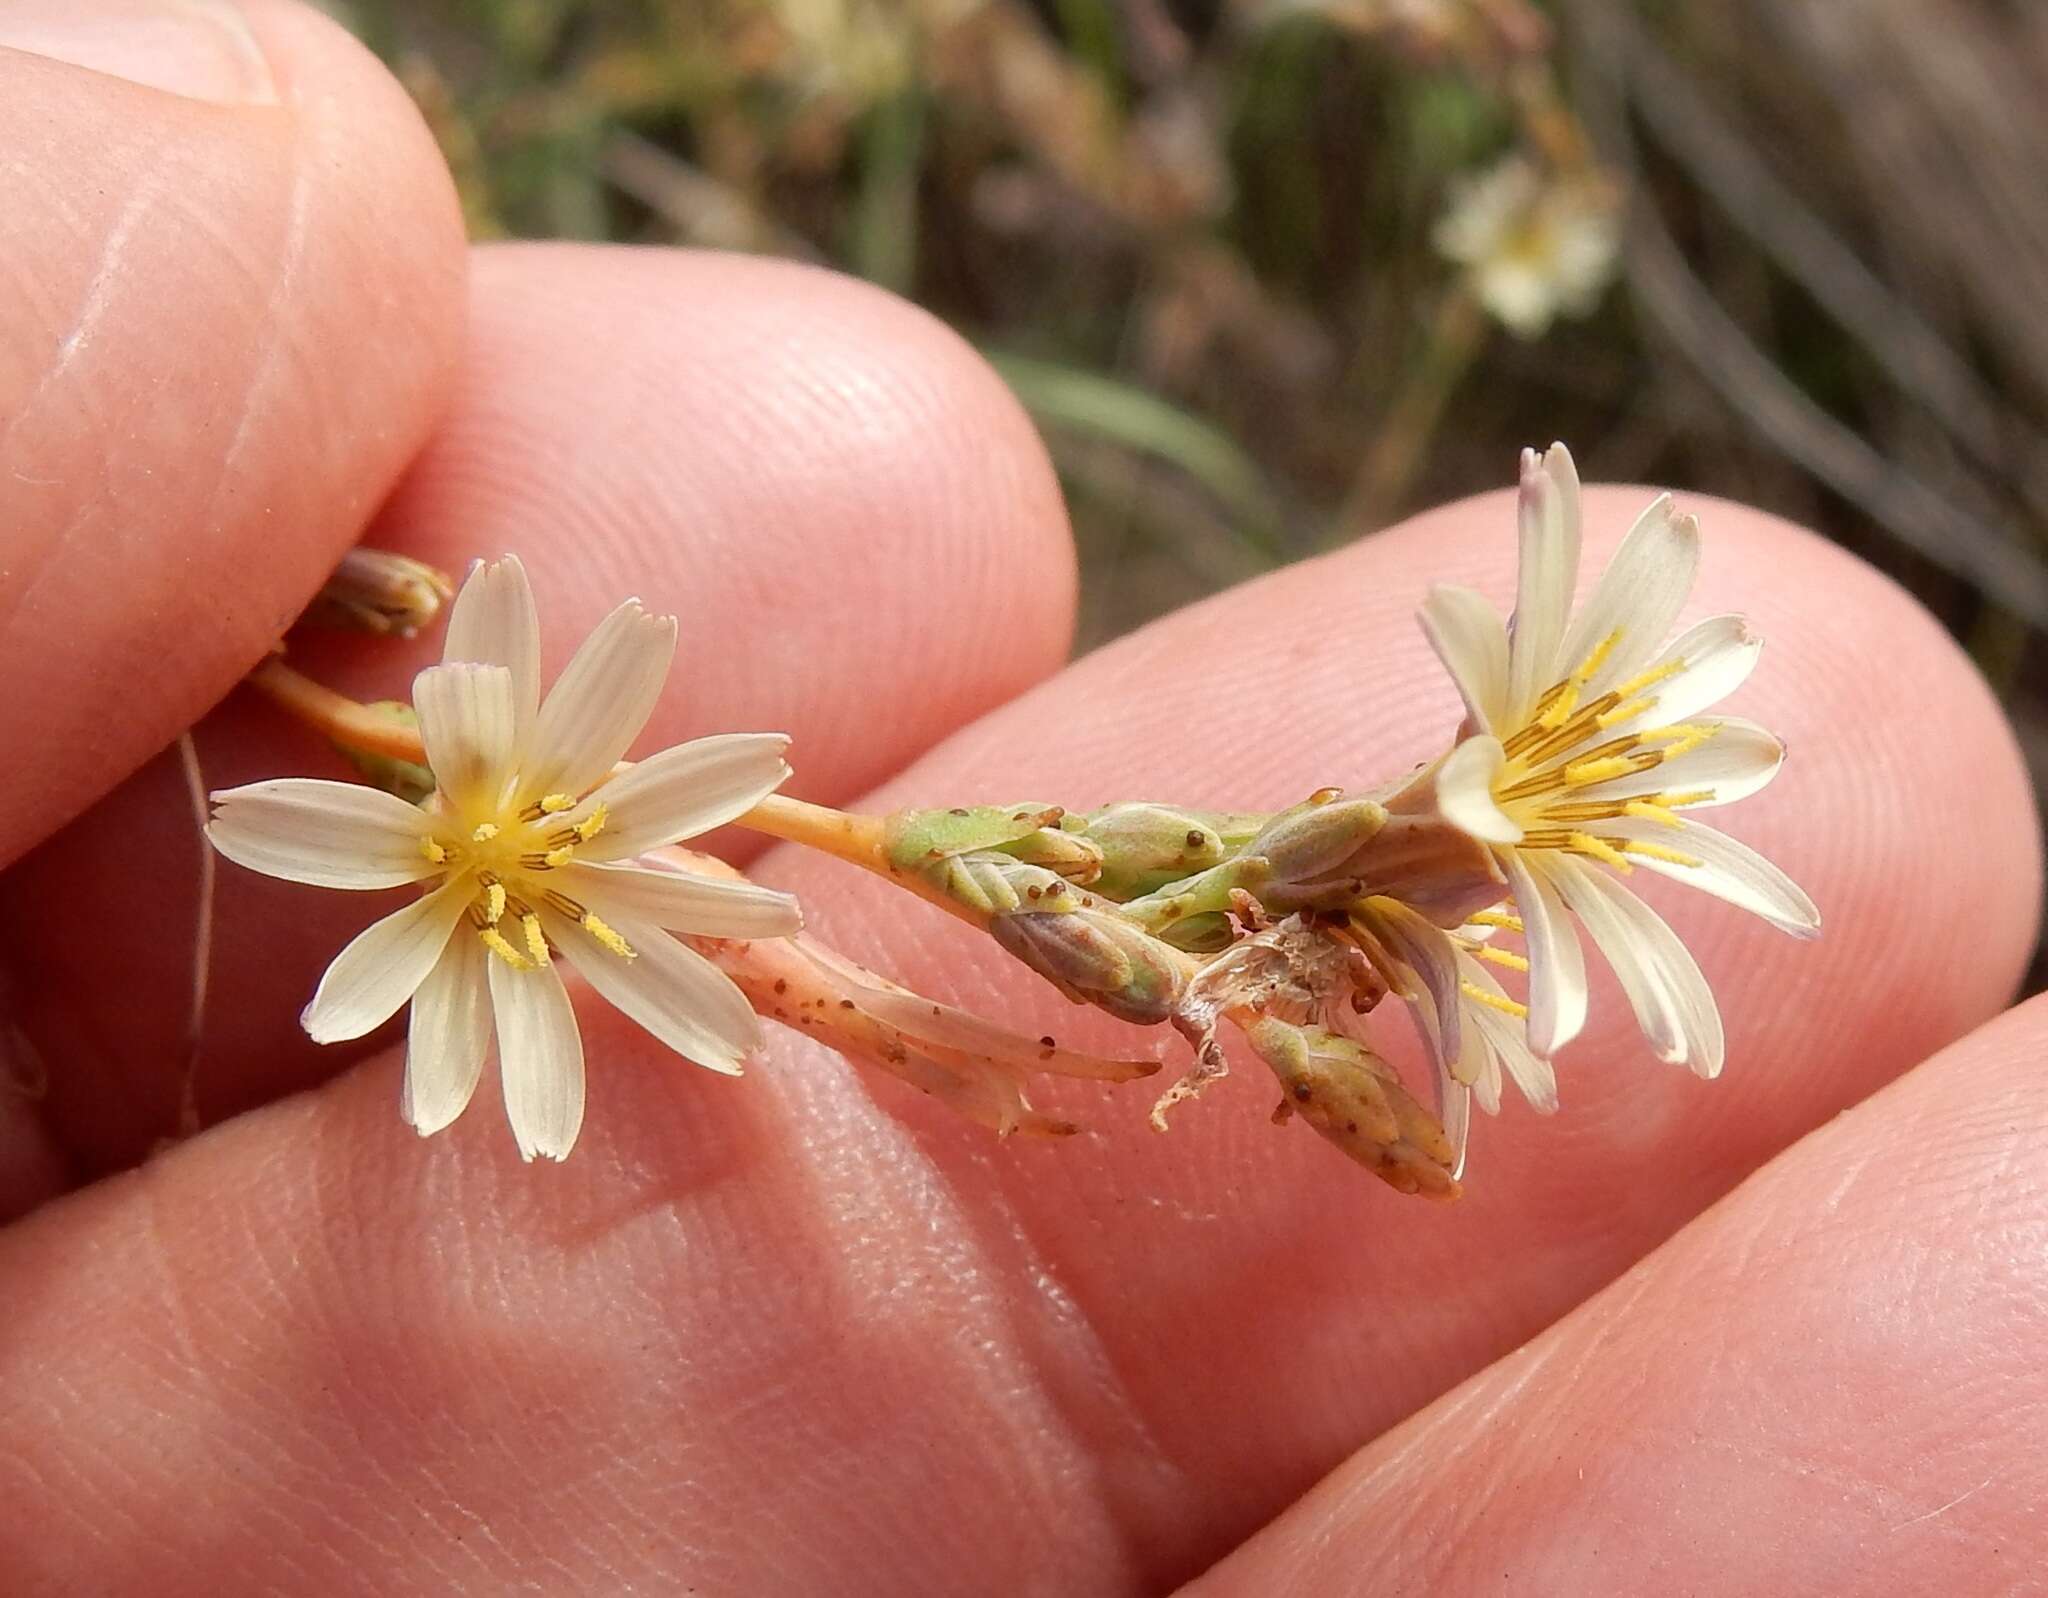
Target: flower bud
916	839
375	591
993	884
1146	846
1096	957
1354	1099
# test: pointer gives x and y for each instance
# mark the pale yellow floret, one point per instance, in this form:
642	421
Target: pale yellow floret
536	940
501	946
1600	849
1498	1001
608	938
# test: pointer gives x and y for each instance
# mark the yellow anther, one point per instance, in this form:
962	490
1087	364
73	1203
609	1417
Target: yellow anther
1584	773
1657	851
1497	918
1498	1001
536	940
1651	810
1558	705
1598	658
485	832
1691	796
1624	712
553	804
1600	849
433	851
610	939
494	903
1654	675
1685	736
555	859
1486	951
591	825
498	944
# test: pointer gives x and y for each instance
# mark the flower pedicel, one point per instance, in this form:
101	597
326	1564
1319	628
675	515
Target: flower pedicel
1585	749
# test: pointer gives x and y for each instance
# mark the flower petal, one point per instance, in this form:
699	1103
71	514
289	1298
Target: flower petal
671	990
1638	596
1464	791
1549	570
1468	637
1672	1002
599	704
449	1035
1734	763
1717	655
540	1058
329	834
493	623
1727	869
1454	1112
1557	968
1502	1036
470	729
1428	952
383	965
683	901
686	790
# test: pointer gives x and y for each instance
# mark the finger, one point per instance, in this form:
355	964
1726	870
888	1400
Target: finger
234	262
1842	1358
781	1335
855	523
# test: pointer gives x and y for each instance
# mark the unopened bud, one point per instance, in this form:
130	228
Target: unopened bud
1354	1099
1146	846
1096	957
993	884
1069	854
375	591
1315	844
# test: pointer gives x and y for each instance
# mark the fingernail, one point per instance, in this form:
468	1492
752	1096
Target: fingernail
202	49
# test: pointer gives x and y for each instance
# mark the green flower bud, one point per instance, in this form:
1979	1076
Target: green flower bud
919	838
1146	846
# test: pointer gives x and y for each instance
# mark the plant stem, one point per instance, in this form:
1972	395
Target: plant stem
353	725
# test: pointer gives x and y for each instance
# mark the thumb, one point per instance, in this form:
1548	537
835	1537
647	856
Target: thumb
234	300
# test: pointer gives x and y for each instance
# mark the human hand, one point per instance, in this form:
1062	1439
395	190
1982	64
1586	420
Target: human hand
803	1333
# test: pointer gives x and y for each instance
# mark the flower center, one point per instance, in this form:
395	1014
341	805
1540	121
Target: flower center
1566	747
508	860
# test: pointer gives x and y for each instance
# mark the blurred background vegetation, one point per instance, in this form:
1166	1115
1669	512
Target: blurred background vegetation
1272	273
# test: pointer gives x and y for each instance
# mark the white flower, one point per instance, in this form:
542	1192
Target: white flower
1537	246
1584	746
525	853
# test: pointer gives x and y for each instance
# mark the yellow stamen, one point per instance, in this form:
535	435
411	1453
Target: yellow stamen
553	804
1558	705
610	939
1657	851
494	903
498	944
536	941
1651	810
484	833
1497	918
1584	773
1593	662
433	851
1600	849
1498	1001
555	859
1486	951
1650	678
1626	711
591	825
1691	796
1685	736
